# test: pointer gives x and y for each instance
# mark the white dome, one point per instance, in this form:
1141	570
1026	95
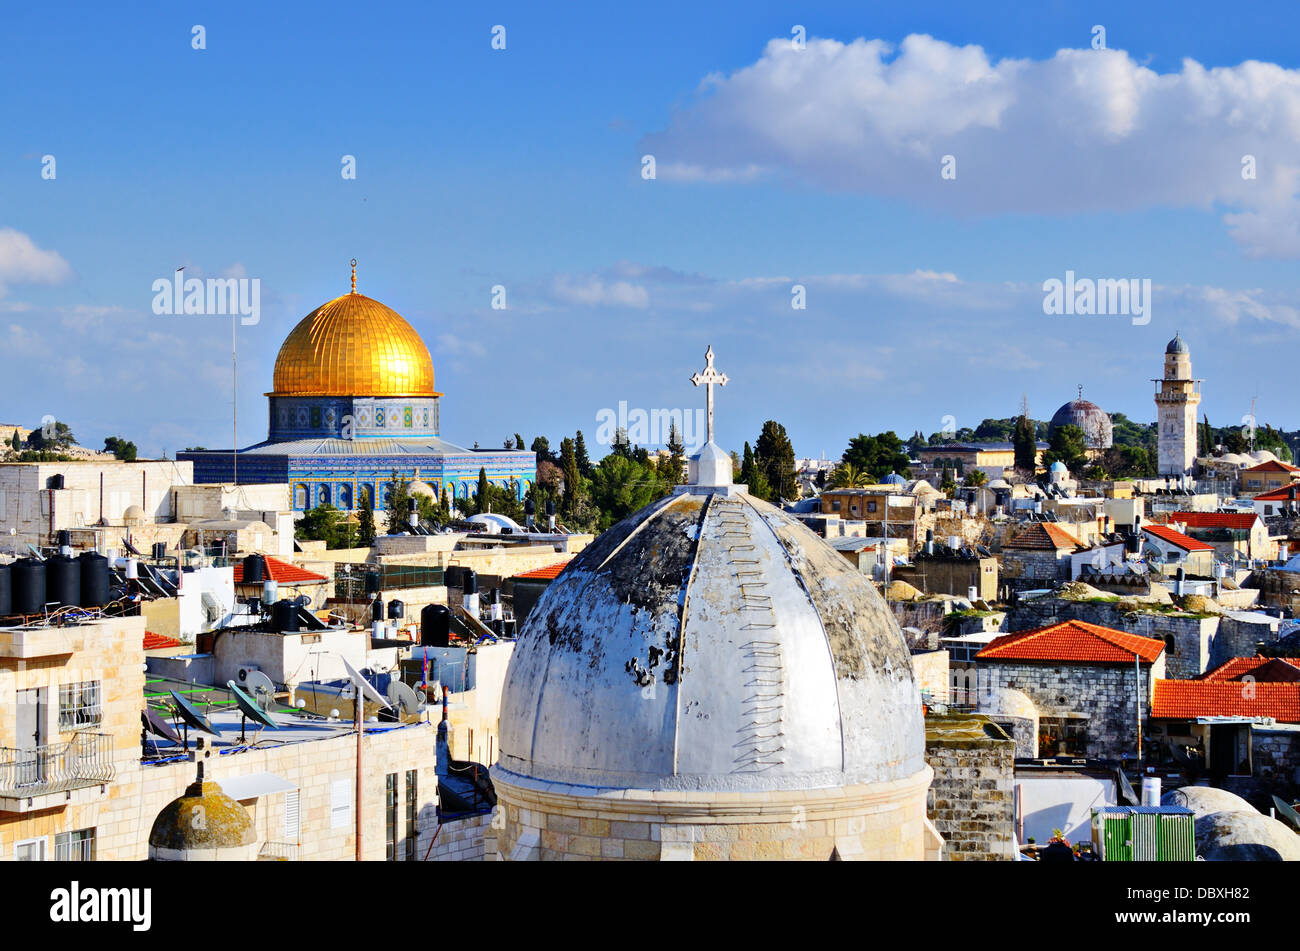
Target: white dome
1058	466
710	642
1263	455
493	524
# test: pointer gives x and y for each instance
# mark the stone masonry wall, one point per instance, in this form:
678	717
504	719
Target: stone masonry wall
972	798
1104	693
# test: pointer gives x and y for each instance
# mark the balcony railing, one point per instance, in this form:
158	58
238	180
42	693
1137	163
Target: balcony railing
351	584
278	852
84	760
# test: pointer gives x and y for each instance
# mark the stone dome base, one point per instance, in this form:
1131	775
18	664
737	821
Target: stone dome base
553	821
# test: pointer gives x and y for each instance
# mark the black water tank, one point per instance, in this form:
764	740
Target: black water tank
529	507
435	626
396	610
284	616
469	582
377	610
159	551
62	580
29	586
452	576
65	538
6	592
372	582
254	570
56	481
94	579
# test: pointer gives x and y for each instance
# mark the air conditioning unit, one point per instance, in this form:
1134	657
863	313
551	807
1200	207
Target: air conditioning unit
244	671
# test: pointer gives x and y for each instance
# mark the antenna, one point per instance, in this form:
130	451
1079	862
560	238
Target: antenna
403	698
249	708
234	400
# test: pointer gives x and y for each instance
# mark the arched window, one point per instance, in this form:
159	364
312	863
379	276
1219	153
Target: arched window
345	497
300	496
324	496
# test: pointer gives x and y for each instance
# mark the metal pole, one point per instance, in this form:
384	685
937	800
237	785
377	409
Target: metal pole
1137	706
358	715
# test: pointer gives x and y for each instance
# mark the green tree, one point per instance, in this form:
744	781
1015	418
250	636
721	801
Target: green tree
621	486
774	455
1026	445
848	476
622	445
752	475
519	441
321	524
395	504
917	442
1068	446
542	446
54	437
975	478
580	453
366	520
482	497
877	455
126	451
572	477
674	465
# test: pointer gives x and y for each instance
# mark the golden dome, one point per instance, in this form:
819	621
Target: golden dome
353	346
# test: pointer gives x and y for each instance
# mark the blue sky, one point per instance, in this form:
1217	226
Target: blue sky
522	167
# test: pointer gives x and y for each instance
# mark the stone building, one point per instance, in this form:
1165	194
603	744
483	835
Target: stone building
1038	556
711	680
972	798
1091	685
1177	396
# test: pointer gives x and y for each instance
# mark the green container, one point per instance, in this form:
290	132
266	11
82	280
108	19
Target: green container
1144	833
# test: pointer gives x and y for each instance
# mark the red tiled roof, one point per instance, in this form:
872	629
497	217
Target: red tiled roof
282	572
1165	533
1272	467
1262	669
1282	494
1239	520
547	573
153	642
1044	536
1188	699
1073	642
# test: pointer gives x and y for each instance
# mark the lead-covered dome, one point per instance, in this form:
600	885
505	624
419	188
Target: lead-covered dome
711	642
353	346
1088	416
1177	345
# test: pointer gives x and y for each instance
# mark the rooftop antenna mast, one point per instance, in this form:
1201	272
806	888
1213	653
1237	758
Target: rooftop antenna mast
234	399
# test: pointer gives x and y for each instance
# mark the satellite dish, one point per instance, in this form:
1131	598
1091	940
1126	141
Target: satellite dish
158	726
192	716
259	686
249	708
302	600
403	698
367	689
1286	813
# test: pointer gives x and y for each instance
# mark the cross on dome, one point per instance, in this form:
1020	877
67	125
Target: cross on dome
709	376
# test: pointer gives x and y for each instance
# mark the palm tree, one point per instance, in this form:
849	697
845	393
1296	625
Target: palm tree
849	476
976	477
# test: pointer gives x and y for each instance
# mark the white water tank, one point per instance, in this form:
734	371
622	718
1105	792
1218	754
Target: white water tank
1150	790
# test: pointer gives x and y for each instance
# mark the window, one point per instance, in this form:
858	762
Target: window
412	810
340	804
871	506
390	817
835	505
79	705
76	846
291	828
30	850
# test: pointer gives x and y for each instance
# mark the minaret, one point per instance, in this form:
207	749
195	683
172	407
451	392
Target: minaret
1176	401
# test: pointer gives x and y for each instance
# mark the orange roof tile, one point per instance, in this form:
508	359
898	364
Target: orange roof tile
282	572
1272	467
1176	538
1239	520
153	642
1285	493
547	573
1045	536
1188	699
1073	642
1262	669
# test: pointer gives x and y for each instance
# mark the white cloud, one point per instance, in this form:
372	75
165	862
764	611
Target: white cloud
591	290
1084	130
22	262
